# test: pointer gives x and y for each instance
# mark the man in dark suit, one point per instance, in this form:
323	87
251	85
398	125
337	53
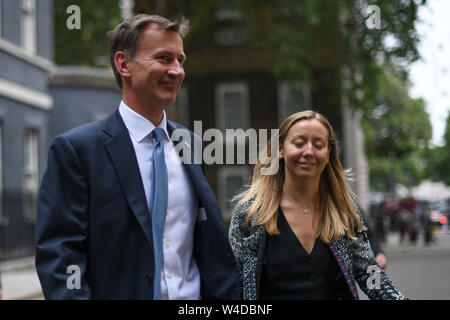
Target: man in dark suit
117	217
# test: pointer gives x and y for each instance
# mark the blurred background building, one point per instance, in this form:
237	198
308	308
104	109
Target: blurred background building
26	55
38	100
250	65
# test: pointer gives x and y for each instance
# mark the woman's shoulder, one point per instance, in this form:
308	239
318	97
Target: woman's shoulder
240	214
242	209
245	235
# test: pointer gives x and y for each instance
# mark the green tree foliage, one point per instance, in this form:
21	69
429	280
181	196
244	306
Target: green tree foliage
439	158
89	45
397	134
310	38
296	37
324	43
329	45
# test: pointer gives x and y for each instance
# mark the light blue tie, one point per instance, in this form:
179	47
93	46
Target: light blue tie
158	198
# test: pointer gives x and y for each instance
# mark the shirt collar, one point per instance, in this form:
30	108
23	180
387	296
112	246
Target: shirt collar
137	125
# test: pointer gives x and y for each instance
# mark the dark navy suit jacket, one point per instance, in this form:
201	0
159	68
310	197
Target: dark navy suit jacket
93	214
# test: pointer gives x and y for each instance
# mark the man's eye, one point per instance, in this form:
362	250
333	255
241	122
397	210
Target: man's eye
164	58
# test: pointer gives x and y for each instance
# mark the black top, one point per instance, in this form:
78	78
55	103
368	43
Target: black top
289	272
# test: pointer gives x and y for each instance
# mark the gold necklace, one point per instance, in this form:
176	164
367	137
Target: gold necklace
304	209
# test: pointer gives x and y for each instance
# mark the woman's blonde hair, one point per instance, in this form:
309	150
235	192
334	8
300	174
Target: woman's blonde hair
340	216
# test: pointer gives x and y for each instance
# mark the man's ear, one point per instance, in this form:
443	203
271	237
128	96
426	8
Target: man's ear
122	63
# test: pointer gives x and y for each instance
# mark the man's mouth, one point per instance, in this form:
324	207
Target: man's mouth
171	85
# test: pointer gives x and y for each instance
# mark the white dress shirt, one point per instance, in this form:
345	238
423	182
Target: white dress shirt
180	277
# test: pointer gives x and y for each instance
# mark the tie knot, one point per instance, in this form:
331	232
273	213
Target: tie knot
158	134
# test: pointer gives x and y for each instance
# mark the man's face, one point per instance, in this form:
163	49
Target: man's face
157	70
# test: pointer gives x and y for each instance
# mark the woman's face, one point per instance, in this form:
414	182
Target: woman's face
305	149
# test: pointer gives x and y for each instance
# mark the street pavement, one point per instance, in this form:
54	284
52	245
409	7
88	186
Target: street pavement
420	272
20	280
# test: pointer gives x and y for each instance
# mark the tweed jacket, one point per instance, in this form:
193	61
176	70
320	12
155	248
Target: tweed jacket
355	258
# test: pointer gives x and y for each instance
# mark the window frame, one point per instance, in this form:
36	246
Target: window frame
28	22
30	174
221	90
4	220
223	174
226	10
1	3
284	89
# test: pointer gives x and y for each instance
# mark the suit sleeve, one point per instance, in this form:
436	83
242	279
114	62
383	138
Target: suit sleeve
62	225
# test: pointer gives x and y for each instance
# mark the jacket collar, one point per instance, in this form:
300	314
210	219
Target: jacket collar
138	126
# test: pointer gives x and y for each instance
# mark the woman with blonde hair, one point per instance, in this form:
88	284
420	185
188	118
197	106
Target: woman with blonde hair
297	233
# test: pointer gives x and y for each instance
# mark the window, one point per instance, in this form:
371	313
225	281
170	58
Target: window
291	9
232	180
292	97
228	10
3	219
228	33
31	175
232	106
0	18
28	25
231	36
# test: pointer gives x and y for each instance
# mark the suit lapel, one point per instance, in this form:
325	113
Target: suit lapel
193	170
123	157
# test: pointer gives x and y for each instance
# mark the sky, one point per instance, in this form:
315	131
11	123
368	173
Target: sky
430	76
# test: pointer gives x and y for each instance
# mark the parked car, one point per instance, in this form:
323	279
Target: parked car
439	214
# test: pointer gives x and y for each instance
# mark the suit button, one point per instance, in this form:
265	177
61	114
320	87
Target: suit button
149	277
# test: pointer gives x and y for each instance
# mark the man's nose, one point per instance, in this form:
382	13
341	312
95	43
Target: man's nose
176	69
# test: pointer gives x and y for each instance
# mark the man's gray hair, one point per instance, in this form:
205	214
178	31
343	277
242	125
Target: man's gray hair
126	35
